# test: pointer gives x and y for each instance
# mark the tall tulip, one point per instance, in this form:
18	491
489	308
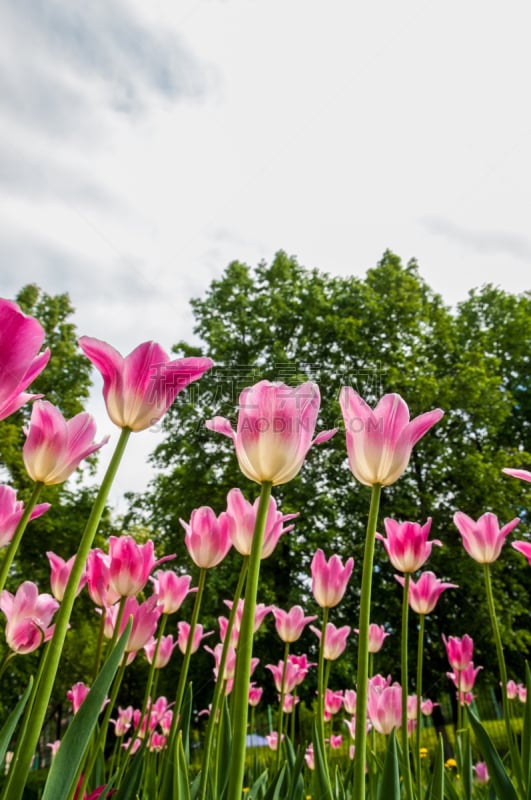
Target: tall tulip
484	539
11	511
330	579
244	514
28	615
208	537
407	544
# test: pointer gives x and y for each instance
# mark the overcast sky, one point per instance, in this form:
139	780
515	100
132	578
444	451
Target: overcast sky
143	146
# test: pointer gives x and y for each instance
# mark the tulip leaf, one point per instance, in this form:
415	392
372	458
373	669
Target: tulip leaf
500	779
8	728
464	761
131	781
526	732
74	744
436	790
258	786
181	787
389	788
184	721
223	750
321	775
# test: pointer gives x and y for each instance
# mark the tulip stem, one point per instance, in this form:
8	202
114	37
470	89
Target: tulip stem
19	532
245	650
515	759
280	718
363	647
420	657
404	677
19	771
321	691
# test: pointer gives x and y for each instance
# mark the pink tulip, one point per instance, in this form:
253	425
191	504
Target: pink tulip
330	579
98	575
335	742
207	537
21	338
55	447
384	707
407	544
260	612
335	641
303	667
255	694
424	594
139	388
184	634
482	773
291	677
145	617
464	679
379	442
309	757
459	651
123	723
522	693
77	695
272	740
511	690
290	624
131	564
523	474
524	548
377	635
60	573
230	663
274	432
11	511
427	706
244	515
54	747
164	653
171	589
483	540
28	615
349	701
333	702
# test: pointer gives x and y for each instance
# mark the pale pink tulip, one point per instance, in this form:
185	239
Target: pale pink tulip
291	677
275	429
330	579
522	693
333	702
139	388
255	694
171	589
207	537
60	573
483	540
309	757
21	338
482	772
511	690
349	701
183	629
145	617
131	564
384	707
427	706
164	652
407	544
303	666
290	624
28	615
377	635
244	515
54	747
123	723
335	641
55	447
289	703
380	441
260	612
523	474
459	651
11	511
424	594
272	740
77	695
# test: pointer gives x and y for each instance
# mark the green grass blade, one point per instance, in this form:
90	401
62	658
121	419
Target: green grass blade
436	790
8	728
500	779
389	787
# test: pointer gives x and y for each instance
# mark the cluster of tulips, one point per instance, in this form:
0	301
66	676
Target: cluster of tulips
135	597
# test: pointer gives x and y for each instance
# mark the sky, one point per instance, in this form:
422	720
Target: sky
144	146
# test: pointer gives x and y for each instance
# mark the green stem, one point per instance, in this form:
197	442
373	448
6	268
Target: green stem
363	647
420	656
245	651
515	758
19	531
404	677
19	771
321	690
281	705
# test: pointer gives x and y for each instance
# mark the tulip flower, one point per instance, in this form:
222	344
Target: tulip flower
524	548
511	690
333	702
54	447
255	694
98	575
407	544
145	617
424	594
349	701
290	672
164	652
290	624
207	537
380	441
123	723
384	707
11	511
171	589
130	564
184	634
244	514
377	635
303	666
28	615
427	706
335	640
60	573
464	679
21	338
459	651
139	388
77	695
260	612
482	772
483	540
329	579
275	430
523	474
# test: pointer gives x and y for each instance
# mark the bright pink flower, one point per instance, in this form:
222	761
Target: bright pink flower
260	612
464	679
349	701
330	579
164	653
407	544
60	573
123	723
377	635
379	442
244	514
335	640
184	634
335	741
275	427
379	682
131	564
290	701
171	589
424	594
207	537
511	690
77	695
230	663
333	702
139	388
291	678
524	548
21	338
303	666
523	474
54	447
272	740
290	624
98	575
459	650
482	773
28	615
11	510
255	694
427	706
97	794
384	707
234	634
145	617
483	539
309	757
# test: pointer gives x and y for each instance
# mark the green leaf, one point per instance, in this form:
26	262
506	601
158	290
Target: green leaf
464	762
184	721
131	781
389	787
8	728
436	790
181	786
498	774
224	750
321	775
526	733
74	744
258	785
